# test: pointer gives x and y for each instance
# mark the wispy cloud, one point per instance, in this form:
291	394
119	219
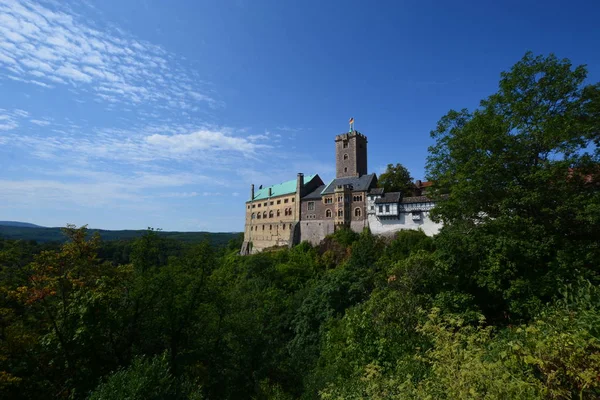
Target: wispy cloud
44	46
9	119
40	122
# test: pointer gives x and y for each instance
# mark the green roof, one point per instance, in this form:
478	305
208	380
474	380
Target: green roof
280	188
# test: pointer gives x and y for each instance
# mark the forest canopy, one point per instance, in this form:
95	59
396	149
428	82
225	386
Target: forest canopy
503	303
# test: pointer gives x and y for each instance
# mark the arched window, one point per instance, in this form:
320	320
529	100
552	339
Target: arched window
264	214
258	216
340	213
328	214
253	216
271	214
357	212
284	227
345	156
278	213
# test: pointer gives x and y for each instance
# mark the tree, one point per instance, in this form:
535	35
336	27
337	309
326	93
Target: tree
396	178
520	174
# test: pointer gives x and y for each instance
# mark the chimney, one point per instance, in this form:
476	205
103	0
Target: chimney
300	184
270	191
252	192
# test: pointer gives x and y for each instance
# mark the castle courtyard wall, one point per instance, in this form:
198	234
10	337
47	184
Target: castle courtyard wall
381	226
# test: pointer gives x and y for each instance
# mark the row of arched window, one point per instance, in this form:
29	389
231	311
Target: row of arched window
357	213
271	214
255	228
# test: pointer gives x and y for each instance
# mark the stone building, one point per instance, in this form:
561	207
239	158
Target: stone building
308	210
272	213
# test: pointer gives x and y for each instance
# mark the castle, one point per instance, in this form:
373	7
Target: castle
307	209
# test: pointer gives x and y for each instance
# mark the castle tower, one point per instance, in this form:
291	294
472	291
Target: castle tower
350	155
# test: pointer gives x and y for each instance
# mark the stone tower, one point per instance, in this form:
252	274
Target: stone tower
350	155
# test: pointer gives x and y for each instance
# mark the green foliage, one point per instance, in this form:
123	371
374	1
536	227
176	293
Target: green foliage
144	379
396	178
54	235
503	303
517	175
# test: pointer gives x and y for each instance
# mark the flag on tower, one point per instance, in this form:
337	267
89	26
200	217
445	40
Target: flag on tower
351	121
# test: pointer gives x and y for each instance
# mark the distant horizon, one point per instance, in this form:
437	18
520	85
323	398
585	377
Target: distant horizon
103	229
162	114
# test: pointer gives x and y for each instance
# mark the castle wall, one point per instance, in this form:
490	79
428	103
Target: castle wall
274	227
383	226
314	231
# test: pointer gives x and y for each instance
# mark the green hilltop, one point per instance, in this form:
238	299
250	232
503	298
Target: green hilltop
45	235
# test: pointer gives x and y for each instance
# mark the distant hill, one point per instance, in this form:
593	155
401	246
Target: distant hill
44	235
19	224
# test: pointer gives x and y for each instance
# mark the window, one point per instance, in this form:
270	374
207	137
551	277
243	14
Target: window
253	215
345	169
278	201
265	204
285	200
253	205
263	227
328	200
328	214
248	207
293	199
380	208
372	207
357	212
357	198
340	213
345	144
387	208
290	226
278	213
271	203
259	204
270	227
258	216
311	206
271	214
345	156
264	214
284	227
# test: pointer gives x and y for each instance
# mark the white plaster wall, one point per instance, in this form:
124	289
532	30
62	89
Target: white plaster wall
385	226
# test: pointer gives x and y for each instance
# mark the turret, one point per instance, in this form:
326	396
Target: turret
300	183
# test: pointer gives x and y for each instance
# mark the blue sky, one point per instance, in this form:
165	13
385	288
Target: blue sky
128	114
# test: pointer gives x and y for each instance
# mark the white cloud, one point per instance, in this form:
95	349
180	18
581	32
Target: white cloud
42	43
202	140
258	137
40	122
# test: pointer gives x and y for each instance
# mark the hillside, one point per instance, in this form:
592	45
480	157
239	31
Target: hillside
44	235
19	224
